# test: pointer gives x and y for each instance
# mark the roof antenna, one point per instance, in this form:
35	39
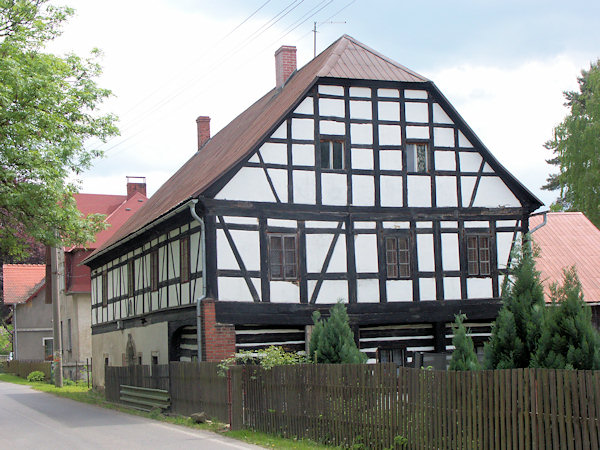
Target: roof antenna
315	34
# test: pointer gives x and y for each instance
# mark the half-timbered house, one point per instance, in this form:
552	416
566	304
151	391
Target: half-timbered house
354	179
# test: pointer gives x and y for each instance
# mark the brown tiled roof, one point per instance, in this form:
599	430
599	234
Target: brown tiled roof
568	239
22	281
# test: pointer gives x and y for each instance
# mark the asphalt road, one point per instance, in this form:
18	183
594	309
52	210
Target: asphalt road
35	420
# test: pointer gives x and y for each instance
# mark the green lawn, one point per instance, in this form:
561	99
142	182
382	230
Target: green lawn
81	393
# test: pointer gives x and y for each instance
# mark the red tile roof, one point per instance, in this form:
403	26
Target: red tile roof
22	281
568	239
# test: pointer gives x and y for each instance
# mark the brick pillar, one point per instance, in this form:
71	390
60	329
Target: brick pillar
285	64
218	341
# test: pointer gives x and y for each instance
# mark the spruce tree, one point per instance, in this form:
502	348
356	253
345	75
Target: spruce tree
568	340
332	340
517	329
464	356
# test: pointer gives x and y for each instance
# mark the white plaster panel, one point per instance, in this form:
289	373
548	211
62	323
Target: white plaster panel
238	220
367	291
331	90
332	127
463	142
445	188
503	243
411	93
388	111
249	184
479	287
304	186
281	131
363	190
390	135
303	129
360	110
492	192
425	258
285	292
416	112
452	288
469	161
415	132
439	115
362	158
366	253
391	190
322	224
477	224
333	189
445	160
390	159
427	289
333	291
247	244
398	225
364	225
185	294
317	246
390	93
331	107
273	153
225	257
443	137
419	190
279	180
282	223
506	223
487	168
426	224
450	252
360	92
337	263
236	289
361	133
466	185
399	290
305	107
303	154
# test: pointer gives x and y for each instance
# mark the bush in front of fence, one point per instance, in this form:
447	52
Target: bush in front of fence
24	368
267	359
36	376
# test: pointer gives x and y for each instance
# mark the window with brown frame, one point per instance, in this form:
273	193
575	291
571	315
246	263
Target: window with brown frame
154	270
104	289
130	278
397	256
417	158
283	257
332	154
478	254
184	259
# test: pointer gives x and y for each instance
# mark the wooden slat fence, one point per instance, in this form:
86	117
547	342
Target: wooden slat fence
153	377
22	368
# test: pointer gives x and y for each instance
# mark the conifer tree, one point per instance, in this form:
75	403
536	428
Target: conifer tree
464	356
332	340
568	340
517	329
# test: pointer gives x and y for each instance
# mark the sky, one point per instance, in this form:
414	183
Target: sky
502	64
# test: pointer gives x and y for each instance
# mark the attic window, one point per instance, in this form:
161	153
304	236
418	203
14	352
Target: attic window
332	154
417	157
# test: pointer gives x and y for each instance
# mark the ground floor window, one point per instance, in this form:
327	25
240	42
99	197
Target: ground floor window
48	344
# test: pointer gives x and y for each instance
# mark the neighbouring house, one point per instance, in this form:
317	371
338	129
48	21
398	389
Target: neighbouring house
353	179
31	312
568	239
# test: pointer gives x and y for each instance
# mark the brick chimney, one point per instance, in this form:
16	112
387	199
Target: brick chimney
136	184
203	123
285	64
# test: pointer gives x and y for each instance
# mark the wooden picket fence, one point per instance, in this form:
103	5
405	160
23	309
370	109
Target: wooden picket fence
385	406
22	368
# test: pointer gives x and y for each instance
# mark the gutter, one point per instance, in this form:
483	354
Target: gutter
544	222
192	204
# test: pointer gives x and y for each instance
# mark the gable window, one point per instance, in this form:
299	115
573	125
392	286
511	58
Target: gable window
283	260
478	254
130	278
417	159
332	154
104	289
154	270
184	259
397	256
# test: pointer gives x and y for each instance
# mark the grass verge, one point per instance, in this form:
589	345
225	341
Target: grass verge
81	393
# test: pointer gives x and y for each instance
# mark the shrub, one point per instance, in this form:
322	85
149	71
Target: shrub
36	376
267	359
464	356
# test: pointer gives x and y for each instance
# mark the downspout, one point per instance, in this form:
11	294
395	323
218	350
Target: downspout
192	205
544	222
14	349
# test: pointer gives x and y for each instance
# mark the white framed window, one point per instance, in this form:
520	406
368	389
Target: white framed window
417	157
332	154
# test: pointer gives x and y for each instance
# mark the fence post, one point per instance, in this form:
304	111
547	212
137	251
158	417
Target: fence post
234	389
